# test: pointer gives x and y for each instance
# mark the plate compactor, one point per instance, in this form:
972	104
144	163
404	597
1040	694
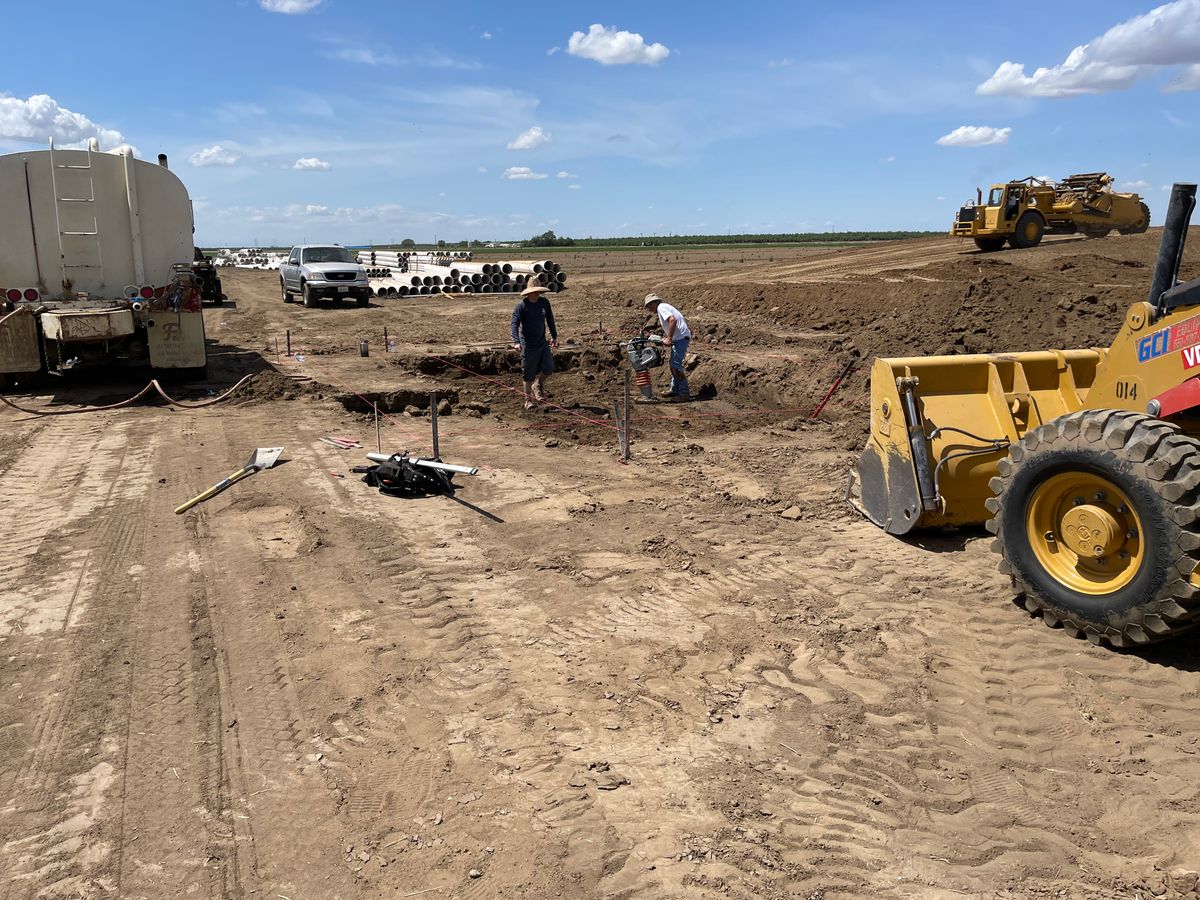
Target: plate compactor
644	353
1085	464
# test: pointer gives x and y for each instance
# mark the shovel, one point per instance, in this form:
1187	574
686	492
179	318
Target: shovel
262	458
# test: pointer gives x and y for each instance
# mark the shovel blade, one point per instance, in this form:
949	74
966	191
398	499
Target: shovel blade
264	458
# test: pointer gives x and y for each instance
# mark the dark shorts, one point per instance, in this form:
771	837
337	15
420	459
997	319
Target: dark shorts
536	361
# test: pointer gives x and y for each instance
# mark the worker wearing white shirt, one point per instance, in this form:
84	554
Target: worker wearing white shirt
676	337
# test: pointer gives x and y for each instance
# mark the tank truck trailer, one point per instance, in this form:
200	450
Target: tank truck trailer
95	265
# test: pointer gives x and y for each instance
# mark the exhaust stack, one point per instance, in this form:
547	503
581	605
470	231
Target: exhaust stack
1170	251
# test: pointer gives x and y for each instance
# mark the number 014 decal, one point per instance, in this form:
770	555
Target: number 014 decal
1127	390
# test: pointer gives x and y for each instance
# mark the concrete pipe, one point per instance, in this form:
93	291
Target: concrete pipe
560	277
435	290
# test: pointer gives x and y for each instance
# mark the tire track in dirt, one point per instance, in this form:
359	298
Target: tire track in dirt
63	791
856	262
266	741
172	757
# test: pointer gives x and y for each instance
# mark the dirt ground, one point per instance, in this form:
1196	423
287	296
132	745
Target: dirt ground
695	675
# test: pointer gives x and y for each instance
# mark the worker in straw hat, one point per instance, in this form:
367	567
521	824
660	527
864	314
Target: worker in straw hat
676	337
530	319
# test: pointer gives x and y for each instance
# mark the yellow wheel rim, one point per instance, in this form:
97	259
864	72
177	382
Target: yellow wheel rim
1085	532
1030	230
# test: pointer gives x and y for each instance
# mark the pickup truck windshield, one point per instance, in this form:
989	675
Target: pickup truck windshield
327	254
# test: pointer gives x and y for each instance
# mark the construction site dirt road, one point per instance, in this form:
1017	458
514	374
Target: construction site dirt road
698	674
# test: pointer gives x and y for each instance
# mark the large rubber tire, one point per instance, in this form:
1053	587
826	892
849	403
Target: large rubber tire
1030	228
1096	232
309	298
989	244
1141	225
1153	467
287	295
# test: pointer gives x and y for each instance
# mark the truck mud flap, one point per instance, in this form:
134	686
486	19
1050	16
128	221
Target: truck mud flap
19	351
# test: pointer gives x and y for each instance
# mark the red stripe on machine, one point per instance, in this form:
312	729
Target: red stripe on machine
1191	357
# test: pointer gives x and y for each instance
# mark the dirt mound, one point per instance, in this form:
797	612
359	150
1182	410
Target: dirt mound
265	387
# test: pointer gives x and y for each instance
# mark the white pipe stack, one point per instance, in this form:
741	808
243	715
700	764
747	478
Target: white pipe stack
452	272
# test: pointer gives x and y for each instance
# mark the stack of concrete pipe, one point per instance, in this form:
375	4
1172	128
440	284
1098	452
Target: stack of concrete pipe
426	274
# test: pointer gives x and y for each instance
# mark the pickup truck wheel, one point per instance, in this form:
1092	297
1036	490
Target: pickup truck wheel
364	299
287	295
310	299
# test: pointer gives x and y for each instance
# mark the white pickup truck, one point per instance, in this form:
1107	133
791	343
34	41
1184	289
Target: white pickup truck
316	271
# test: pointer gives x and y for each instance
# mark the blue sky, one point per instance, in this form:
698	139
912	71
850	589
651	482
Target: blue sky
357	121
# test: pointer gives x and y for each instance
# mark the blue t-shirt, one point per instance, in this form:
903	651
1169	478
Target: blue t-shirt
529	323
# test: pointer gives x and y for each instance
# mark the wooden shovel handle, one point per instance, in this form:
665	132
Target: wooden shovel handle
215	489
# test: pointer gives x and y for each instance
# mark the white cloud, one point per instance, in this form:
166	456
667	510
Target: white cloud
311	164
975	136
522	173
482	169
1168	35
215	155
1173	119
610	47
785	63
566	175
1139	186
364	56
341	49
314	209
531	139
574	187
289	7
40	118
939	197
553	50
888	160
487	36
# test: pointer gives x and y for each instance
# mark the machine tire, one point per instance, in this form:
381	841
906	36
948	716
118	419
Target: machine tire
1152	471
1028	233
1096	232
306	294
989	244
1142	224
287	295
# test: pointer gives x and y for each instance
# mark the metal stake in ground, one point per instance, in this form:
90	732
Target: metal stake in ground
289	342
620	429
837	383
378	441
433	404
628	417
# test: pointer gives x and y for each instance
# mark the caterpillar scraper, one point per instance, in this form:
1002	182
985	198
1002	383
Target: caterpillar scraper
1020	213
1084	464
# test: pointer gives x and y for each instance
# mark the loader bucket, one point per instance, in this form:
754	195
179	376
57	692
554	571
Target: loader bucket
939	425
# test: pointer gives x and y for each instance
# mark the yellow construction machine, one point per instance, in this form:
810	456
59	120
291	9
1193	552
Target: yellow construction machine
1020	212
1085	464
